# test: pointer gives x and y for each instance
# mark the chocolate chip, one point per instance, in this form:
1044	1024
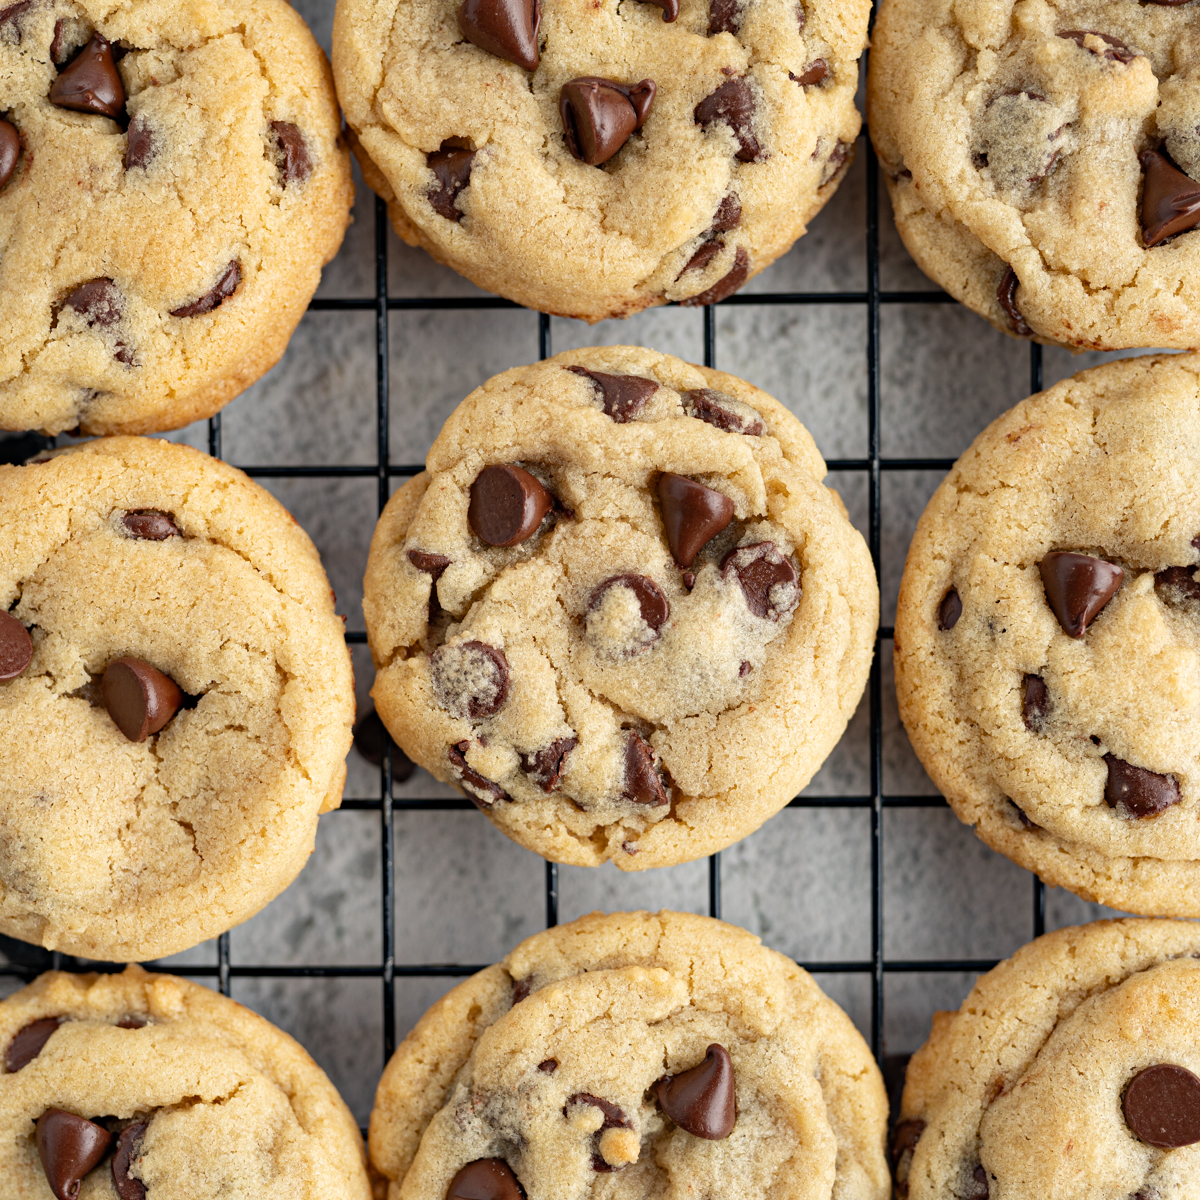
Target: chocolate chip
16	647
702	1100
1077	587
9	15
548	1065
977	1189
744	670
470	679
722	410
1138	793
99	302
1117	50
1170	199
1006	294
1021	815
689	580
725	286
10	150
691	515
728	215
57	55
545	765
139	146
292	159
225	286
598	115
451	167
1035	702
838	157
949	610
150	525
670	8
815	72
1162	1106
623	396
90	82
614	1118
642	782
703	256
520	990
507	505
768	579
485	1179
652	602
481	791
139	697
370	737
725	16
506	28
129	1149
733	104
133	1021
904	1141
1178	583
69	1147
27	1043
801	18
430	563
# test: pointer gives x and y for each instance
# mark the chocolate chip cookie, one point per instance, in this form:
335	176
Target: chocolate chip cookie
135	1085
1071	1070
593	157
619	610
1043	161
1048	635
171	182
175	699
633	1055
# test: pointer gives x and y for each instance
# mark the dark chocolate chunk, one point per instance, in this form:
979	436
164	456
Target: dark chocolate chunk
1162	1106
430	563
598	115
10	150
69	1147
725	16
1077	587
1178	583
129	1150
642	782
451	167
506	28
728	215
1116	50
623	396
292	158
733	104
1035	702
16	647
716	408
150	525
1138	793
470	679
548	1065
485	1179
706	252
702	1100
670	8
139	697
691	514
139	145
1170	199
226	285
1006	294
949	610
99	302
724	286
652	602
27	1043
545	766
481	791
91	82
813	73
768	579
370	737
507	505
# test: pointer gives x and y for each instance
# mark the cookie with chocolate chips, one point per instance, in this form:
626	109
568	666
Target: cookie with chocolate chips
172	180
591	158
1048	635
169	648
639	1055
1044	162
1071	1070
136	1085
619	610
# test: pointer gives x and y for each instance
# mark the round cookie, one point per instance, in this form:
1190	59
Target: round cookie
175	699
593	157
150	1086
634	1055
1042	157
619	610
1048	635
172	180
1070	1071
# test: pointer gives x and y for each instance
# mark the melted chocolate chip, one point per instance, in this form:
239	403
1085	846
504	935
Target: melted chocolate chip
69	1147
614	1118
481	791
1178	583
767	578
9	15
652	601
1116	50
723	411
1006	294
485	1179
139	698
451	167
225	286
1162	1106
703	256
1170	199
702	1100
10	150
150	525
725	16
728	215
691	515
99	302
548	1065
670	8
430	563
91	82
732	104
1138	793
507	505
129	1150
470	679
545	766
16	647
815	72
1077	587
370	737
725	286
1035	702
506	28
292	158
27	1043
642	782
57	55
139	146
598	115
623	396
949	610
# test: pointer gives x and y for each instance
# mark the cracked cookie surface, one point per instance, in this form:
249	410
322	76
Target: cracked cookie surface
552	1064
1048	635
1070	1070
135	551
750	128
1013	138
672	643
179	183
199	1097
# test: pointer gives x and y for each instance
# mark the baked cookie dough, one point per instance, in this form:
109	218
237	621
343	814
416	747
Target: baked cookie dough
1042	157
175	699
1048	635
591	158
141	1086
633	1055
172	180
619	610
1070	1071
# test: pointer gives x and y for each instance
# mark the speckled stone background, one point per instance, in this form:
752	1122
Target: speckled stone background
464	893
